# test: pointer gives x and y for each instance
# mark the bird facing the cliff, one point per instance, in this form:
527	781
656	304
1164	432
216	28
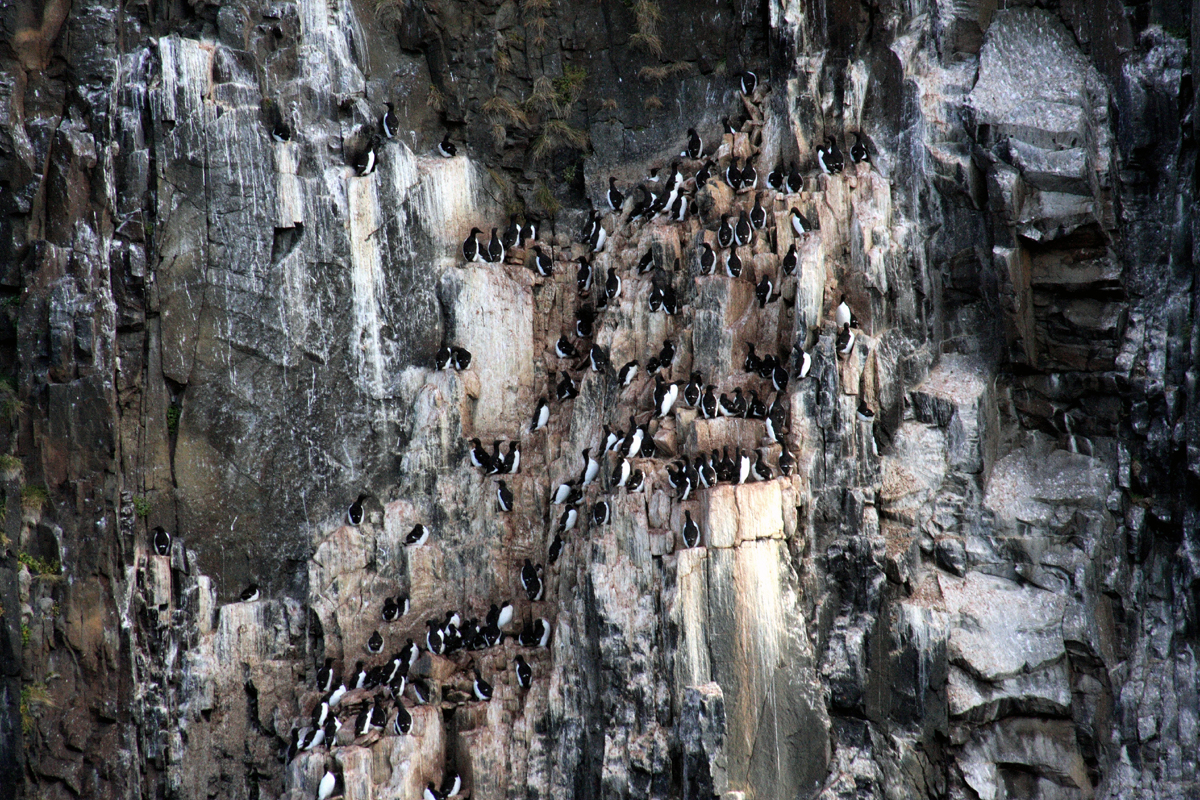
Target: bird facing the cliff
743	230
858	151
795	181
495	249
708	259
531	580
403	723
733	263
758	214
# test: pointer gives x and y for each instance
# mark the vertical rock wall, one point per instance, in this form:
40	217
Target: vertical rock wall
986	592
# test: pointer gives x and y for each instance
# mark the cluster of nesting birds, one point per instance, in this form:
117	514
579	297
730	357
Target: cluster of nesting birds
379	693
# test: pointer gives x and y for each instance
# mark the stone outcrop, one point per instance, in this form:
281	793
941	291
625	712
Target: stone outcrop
987	590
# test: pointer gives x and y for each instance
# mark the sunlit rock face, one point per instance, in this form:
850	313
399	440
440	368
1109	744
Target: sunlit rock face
977	581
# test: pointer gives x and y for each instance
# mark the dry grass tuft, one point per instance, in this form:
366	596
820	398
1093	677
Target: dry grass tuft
435	99
501	109
542	96
647	14
558	133
609	104
499	135
545	198
531	6
663	71
652	103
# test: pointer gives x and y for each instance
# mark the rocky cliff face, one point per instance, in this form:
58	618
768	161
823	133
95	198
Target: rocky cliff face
989	590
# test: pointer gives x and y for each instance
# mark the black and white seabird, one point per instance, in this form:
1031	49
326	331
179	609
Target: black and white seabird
597	359
789	260
665	395
693	390
421	691
543	263
355	514
704	173
250	593
585	317
332	783
568	520
541	415
758	214
504	496
495	249
666	354
565	493
708	259
695	146
564	349
752	362
390	123
728	127
591	468
390	612
743	468
776	178
524	672
724	233
403	723
733	175
418	536
833	156
858	150
364	161
865	414
162	540
531	581
556	547
764	291
480	459
795	181
823	159
786	462
460	358
325	676
280	131
481	688
708	403
691	531
749	82
614	196
748	178
779	378
655	300
375	643
471	249
804	359
799	223
733	263
512	234
601	513
566	388
843	316
632	444
761	469
621	473
635	482
679	208
845	340
529	232
742	231
442	359
446	147
451	785
612	286
627	373
434	641
599	239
